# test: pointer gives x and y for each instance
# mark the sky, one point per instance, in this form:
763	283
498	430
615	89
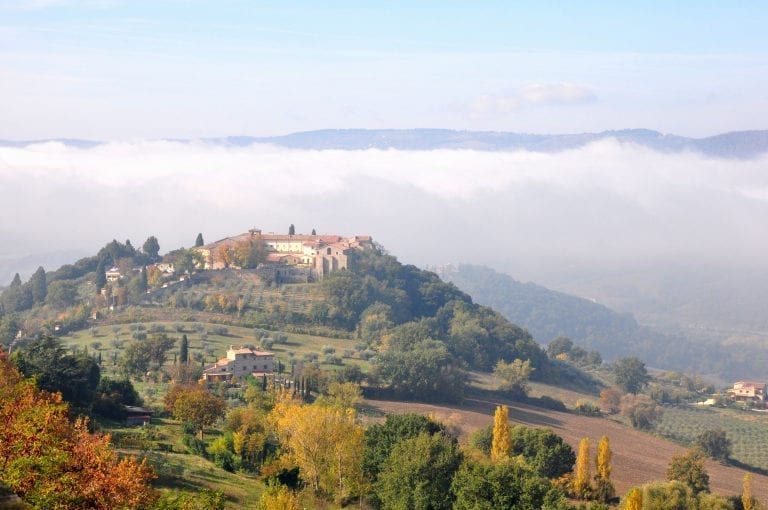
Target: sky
147	69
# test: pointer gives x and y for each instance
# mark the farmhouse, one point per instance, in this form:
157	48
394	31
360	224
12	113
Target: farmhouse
292	257
239	363
744	390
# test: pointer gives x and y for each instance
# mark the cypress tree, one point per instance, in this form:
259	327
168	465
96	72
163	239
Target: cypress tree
291	230
101	275
16	282
184	350
39	285
199	241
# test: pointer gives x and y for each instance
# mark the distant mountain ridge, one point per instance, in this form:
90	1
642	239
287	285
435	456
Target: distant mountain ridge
737	144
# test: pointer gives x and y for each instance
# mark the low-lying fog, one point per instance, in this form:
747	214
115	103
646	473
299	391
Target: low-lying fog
562	219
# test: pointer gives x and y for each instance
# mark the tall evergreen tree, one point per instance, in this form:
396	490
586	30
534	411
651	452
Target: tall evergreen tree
16	282
199	241
291	230
314	233
151	247
501	444
184	350
101	275
39	285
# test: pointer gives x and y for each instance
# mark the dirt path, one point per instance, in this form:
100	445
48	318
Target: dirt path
637	457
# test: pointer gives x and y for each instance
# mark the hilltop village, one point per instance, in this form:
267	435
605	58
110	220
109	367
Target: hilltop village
286	258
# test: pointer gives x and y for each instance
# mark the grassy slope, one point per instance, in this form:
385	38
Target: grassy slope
215	344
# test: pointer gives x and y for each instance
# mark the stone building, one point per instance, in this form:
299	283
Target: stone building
290	258
240	363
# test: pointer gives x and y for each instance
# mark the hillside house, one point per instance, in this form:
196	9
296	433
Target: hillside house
240	363
745	390
113	274
290	258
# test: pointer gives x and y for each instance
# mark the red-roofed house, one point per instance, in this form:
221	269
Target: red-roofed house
239	363
297	257
748	390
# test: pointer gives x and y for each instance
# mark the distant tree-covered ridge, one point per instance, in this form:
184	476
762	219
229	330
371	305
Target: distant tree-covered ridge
548	314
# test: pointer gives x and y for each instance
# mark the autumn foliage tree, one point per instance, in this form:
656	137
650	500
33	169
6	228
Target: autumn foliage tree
326	443
195	405
501	444
53	463
604	489
747	498
581	479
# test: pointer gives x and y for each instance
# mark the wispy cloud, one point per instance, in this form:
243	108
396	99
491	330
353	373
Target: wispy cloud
532	94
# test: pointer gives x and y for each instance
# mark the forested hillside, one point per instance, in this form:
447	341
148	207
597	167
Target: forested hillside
548	314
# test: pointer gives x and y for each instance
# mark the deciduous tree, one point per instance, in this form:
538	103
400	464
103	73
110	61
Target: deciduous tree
689	469
715	443
514	376
634	499
501	445
582	477
418	473
631	374
198	407
52	463
604	489
326	443
747	497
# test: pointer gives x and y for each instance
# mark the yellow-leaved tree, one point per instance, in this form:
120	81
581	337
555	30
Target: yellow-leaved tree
279	498
581	480
326	443
633	500
604	489
501	445
747	499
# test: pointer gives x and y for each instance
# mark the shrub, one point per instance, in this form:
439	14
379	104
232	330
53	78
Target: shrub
196	445
328	349
587	408
367	354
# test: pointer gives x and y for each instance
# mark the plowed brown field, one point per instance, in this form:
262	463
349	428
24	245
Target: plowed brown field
637	457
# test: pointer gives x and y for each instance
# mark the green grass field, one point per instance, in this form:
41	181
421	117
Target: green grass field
748	431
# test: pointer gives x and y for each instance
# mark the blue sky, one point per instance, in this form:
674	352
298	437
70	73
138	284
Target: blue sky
112	69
